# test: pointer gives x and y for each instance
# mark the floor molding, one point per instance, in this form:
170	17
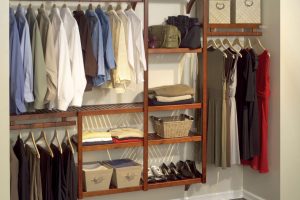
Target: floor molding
219	196
250	196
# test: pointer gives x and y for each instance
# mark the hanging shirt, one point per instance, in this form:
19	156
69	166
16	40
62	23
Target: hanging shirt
47	39
139	47
65	92
26	54
16	74
39	66
14	171
90	63
109	57
122	74
128	36
97	43
76	59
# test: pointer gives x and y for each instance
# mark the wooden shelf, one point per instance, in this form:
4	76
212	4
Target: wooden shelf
174	183
112	146
248	30
112	191
235	26
172	51
175	107
154	139
42	125
234	34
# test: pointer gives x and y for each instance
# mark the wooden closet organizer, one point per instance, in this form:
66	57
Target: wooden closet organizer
142	107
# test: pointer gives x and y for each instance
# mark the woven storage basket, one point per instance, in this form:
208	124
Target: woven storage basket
246	11
171	127
219	11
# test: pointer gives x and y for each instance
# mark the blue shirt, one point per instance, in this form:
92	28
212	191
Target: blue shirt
109	56
97	43
16	74
26	53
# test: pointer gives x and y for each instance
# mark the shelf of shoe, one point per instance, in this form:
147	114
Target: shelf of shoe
174	183
112	191
175	107
154	139
173	50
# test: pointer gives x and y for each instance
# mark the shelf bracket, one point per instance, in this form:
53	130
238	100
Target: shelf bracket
189	6
187	187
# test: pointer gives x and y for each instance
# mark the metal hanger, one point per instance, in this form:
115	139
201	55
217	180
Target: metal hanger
55	137
43	136
31	136
68	140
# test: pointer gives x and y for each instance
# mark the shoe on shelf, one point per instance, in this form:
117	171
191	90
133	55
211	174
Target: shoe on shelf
175	171
159	176
192	165
185	170
151	177
168	173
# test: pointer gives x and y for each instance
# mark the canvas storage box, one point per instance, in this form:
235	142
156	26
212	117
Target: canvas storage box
126	173
96	177
246	11
219	11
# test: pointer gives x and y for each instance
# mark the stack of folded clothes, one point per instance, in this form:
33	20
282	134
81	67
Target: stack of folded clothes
94	138
124	135
171	95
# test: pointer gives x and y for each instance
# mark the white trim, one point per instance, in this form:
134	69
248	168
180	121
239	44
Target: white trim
250	196
234	194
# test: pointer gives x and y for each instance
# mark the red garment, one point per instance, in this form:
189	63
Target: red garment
115	140
260	162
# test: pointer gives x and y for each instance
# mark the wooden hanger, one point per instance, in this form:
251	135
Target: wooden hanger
248	44
119	7
99	6
129	6
43	136
212	43
30	136
54	6
64	5
90	7
237	42
227	42
219	45
55	137
68	140
78	7
109	8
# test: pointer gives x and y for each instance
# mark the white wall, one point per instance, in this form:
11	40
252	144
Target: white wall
268	185
290	98
4	108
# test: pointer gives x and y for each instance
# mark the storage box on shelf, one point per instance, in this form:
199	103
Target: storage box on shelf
219	11
246	11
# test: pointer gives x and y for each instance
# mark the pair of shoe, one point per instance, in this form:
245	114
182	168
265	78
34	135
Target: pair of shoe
155	175
188	169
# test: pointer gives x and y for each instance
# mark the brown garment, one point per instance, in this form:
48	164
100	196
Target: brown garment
90	62
14	171
34	174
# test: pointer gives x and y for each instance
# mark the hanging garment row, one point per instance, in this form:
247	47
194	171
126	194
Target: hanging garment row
238	99
43	171
55	58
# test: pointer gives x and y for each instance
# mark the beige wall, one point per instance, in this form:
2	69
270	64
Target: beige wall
290	98
268	185
4	136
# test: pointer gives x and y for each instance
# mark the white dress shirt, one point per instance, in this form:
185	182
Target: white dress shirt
75	53
65	90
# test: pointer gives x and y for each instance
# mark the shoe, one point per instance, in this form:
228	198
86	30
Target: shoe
193	167
168	173
175	171
151	177
159	176
185	169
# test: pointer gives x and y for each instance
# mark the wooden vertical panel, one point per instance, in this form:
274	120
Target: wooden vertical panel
204	90
79	155
145	163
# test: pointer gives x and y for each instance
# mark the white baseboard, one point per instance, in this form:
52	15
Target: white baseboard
218	196
250	196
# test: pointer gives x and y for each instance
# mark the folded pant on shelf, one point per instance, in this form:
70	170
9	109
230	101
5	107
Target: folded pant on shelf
91	142
126	133
95	134
154	102
172	90
171	99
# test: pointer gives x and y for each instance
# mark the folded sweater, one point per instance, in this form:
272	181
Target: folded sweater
172	99
126	133
95	134
172	90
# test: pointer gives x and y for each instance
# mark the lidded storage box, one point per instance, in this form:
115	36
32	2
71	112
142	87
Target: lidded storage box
96	177
126	172
219	11
171	127
246	11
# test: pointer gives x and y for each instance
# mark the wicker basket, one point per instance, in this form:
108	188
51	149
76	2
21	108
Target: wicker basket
171	127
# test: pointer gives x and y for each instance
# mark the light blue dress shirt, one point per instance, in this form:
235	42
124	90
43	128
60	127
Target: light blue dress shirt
97	43
26	53
109	56
16	75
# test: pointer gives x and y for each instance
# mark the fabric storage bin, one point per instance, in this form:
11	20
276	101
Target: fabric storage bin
96	177
246	11
219	11
126	173
171	127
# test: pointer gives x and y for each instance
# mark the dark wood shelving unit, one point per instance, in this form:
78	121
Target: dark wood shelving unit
112	146
112	191
154	139
238	30
173	51
174	183
175	107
